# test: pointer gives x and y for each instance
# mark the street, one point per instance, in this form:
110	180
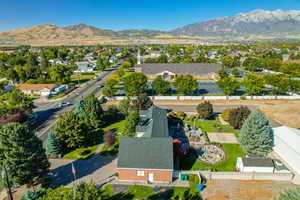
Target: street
48	112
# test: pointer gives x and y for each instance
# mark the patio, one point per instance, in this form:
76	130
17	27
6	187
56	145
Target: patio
224	138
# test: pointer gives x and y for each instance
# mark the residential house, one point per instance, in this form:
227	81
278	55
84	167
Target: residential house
44	90
286	141
171	70
85	67
147	157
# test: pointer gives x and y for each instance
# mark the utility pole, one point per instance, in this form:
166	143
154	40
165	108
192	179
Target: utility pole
5	176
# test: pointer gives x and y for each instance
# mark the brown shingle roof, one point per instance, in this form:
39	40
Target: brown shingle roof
35	86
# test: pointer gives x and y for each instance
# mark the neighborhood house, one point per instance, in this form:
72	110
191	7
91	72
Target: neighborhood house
85	67
286	141
147	157
171	70
44	90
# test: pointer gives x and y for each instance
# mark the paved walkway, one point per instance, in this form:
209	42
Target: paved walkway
97	169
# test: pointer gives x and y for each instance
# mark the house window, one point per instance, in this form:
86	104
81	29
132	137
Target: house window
140	173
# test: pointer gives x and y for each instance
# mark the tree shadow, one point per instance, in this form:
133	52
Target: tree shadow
63	175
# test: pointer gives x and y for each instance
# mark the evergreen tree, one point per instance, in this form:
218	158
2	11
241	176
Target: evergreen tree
53	145
257	135
33	194
22	152
291	194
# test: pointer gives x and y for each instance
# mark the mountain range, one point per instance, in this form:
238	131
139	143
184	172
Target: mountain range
257	24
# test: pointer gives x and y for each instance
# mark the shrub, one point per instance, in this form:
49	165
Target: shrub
237	116
205	110
109	138
33	194
225	114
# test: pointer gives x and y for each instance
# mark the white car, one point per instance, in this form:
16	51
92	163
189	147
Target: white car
63	104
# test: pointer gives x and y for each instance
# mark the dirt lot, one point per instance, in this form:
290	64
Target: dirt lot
243	190
286	112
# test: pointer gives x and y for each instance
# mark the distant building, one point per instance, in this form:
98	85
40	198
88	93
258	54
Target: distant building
171	70
147	157
85	67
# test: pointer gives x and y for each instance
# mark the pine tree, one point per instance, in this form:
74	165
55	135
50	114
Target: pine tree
53	145
22	152
257	135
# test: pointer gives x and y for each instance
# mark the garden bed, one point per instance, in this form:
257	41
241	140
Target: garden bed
232	152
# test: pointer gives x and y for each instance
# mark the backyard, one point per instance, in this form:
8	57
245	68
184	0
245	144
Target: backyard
88	152
232	151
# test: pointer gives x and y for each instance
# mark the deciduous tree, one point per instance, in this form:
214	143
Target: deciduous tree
160	85
143	102
186	84
205	110
135	84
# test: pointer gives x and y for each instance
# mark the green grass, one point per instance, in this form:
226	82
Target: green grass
140	192
212	126
232	151
82	78
81	153
118	127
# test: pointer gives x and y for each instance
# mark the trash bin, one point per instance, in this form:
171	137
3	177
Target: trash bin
184	177
200	187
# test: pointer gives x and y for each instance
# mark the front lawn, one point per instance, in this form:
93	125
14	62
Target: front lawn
232	152
138	192
81	153
213	126
82	78
117	127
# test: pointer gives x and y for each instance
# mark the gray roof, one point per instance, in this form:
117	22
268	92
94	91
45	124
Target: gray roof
146	153
257	162
153	122
181	68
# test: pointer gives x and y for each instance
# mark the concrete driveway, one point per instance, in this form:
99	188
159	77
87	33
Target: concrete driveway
97	169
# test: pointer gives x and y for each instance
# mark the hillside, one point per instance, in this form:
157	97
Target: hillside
257	22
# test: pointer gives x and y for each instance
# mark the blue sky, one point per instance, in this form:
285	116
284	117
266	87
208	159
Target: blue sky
127	14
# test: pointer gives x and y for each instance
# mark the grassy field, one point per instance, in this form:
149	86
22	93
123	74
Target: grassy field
82	78
213	126
232	151
81	153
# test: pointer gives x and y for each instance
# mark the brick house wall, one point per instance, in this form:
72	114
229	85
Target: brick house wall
158	175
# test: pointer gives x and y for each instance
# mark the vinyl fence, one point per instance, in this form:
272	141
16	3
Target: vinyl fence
243	175
176	98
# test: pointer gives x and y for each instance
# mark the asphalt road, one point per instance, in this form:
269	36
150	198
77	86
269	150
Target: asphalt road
48	112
